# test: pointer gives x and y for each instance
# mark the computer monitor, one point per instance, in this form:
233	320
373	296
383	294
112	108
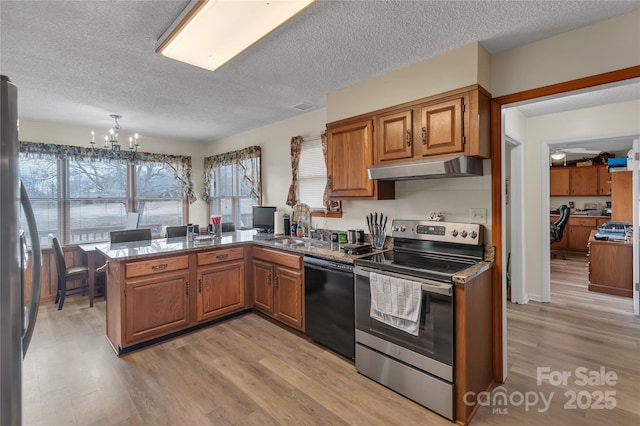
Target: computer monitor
263	218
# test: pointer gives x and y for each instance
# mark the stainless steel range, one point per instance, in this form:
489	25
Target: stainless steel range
405	309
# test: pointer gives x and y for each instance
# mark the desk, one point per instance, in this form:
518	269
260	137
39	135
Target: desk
610	267
91	252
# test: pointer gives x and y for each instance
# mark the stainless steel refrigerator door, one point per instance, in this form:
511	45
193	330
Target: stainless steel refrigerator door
11	309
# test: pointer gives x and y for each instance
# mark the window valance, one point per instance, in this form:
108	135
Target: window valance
180	164
247	160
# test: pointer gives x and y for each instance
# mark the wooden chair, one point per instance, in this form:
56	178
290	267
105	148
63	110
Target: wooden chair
68	274
130	235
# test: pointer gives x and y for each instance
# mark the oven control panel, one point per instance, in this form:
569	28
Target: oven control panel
449	232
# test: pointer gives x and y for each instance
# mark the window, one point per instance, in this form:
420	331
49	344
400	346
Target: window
81	195
97	200
159	195
40	179
312	175
233	185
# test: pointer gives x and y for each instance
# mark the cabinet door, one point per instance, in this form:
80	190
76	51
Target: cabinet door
220	290
604	181
584	181
288	297
262	285
621	197
156	306
349	154
394	136
579	237
442	127
558	182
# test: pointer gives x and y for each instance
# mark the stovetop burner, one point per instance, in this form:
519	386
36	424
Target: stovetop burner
432	250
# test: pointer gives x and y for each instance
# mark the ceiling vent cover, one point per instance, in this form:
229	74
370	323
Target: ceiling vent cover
304	106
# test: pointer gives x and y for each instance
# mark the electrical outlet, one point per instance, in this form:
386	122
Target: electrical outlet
478	215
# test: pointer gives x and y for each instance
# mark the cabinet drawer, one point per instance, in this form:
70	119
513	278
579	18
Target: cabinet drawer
217	256
149	267
278	257
582	221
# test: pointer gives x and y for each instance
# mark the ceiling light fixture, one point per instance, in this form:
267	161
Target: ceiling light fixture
209	33
111	140
558	155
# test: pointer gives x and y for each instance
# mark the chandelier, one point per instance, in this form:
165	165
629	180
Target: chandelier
111	140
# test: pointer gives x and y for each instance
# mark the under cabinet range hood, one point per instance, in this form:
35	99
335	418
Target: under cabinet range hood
436	168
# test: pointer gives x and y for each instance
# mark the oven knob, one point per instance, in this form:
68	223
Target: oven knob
463	234
473	234
403	228
395	228
454	233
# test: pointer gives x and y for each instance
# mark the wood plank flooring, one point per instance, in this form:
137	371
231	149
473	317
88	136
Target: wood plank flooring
248	370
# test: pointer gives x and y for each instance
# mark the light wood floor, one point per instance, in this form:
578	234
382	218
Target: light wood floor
250	371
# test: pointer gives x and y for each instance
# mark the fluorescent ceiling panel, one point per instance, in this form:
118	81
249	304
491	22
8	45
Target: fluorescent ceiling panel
212	32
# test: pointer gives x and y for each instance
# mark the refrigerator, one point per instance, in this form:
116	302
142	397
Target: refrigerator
17	321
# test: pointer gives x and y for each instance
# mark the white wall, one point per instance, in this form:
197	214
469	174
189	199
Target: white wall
31	131
602	47
591	123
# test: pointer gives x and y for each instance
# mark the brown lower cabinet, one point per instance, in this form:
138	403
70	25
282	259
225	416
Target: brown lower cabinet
152	298
576	234
610	267
278	286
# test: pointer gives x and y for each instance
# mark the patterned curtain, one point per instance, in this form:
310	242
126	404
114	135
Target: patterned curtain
247	160
180	164
330	205
296	149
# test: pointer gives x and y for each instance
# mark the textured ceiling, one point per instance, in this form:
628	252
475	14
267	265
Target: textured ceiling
76	62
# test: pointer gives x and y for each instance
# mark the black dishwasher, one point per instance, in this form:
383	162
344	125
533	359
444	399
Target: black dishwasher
329	305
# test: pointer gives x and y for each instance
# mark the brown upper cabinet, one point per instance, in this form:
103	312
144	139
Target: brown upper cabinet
350	152
453	123
579	181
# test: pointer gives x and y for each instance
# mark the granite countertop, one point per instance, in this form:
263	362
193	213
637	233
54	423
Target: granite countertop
471	272
168	246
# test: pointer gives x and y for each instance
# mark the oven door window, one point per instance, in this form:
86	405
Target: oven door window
435	336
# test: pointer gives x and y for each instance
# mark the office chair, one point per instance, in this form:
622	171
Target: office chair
180	231
557	227
67	274
130	235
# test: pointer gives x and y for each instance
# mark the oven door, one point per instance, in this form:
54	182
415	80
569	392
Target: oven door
436	330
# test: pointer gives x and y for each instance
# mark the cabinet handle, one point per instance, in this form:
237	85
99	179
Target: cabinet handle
200	285
277	282
424	136
269	280
159	267
222	256
187	288
408	137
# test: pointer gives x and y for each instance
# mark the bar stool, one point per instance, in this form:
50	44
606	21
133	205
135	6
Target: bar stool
68	274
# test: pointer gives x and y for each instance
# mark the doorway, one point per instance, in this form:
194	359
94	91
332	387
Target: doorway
497	170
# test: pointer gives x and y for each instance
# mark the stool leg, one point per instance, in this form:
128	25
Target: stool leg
63	293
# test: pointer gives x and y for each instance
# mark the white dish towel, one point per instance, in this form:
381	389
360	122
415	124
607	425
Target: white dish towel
396	302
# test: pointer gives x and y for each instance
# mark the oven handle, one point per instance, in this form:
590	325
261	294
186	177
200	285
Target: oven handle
427	285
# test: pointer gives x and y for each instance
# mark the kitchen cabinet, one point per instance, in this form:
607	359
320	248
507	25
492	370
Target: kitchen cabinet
350	151
604	181
576	234
221	283
579	181
621	197
610	267
156	298
559	181
278	285
453	123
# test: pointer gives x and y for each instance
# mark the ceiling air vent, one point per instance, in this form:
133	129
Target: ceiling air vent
304	106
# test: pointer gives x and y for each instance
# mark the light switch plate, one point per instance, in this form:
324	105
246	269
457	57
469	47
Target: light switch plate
478	215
